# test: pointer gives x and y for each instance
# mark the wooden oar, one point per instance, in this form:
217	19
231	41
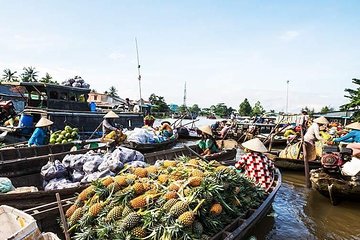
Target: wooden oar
196	154
95	131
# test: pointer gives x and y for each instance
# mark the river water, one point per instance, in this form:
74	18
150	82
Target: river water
302	213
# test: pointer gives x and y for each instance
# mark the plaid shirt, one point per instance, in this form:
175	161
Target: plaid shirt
258	167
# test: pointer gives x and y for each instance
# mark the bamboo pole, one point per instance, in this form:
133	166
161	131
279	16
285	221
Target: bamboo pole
306	161
62	216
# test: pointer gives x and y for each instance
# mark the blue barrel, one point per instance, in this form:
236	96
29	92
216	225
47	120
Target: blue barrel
26	123
93	107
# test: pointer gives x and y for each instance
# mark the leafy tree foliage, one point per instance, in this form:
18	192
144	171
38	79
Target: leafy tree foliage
245	108
326	109
257	110
309	111
195	109
29	74
159	104
182	109
47	79
353	95
221	110
9	76
112	92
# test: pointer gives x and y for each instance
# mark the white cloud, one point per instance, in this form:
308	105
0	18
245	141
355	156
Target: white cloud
289	35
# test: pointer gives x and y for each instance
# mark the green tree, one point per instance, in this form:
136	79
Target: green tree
29	74
9	76
112	92
182	109
257	110
353	95
245	108
46	79
159	104
195	109
309	111
326	109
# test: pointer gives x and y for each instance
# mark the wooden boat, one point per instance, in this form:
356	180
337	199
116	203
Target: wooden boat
26	172
276	141
291	164
151	147
187	133
335	186
237	229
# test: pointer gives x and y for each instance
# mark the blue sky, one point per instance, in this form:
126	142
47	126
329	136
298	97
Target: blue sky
224	50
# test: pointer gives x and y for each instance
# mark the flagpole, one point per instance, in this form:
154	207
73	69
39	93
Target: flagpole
139	75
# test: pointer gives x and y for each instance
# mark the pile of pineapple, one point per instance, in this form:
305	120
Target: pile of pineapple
173	199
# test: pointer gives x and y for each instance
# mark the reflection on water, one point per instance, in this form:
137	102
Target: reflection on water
301	213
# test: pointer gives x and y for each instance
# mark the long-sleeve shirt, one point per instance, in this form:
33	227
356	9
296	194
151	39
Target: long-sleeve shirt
313	134
106	127
38	137
352	136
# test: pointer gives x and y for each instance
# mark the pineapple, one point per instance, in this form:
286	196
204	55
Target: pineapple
114	187
170	195
138	188
169	204
197	173
220	168
169	163
194	161
178	208
86	193
140	172
121	180
76	216
127	210
187	218
151	170
107	181
198	228
130	221
130	177
174	187
216	209
95	209
139	202
71	210
138	232
115	213
163	178
195	181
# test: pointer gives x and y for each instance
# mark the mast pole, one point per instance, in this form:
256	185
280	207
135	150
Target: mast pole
139	74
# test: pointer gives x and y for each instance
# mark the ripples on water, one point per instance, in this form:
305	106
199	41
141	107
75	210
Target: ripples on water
301	213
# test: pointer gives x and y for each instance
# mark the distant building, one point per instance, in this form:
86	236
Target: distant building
343	117
105	101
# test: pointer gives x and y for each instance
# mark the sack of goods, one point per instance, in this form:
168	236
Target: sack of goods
118	136
66	135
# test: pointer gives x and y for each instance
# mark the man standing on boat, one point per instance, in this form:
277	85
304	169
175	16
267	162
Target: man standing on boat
108	123
312	135
40	134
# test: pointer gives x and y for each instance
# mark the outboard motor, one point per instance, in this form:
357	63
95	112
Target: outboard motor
333	157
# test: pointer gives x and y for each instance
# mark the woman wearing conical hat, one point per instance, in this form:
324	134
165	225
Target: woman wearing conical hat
312	135
255	164
353	138
39	135
207	143
108	123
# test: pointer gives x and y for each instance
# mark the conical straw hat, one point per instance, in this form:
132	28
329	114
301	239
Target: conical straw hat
206	129
321	120
43	122
354	125
255	145
111	114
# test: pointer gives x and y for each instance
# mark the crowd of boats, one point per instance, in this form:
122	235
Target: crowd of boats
22	166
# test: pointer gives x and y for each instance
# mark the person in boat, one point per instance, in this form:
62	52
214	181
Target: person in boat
39	136
312	135
302	122
166	129
108	123
207	143
352	138
255	164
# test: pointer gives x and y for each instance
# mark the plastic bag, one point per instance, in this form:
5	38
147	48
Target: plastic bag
96	175
127	155
6	185
53	170
92	164
138	164
60	183
112	164
77	175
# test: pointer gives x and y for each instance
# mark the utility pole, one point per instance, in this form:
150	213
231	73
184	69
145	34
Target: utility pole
185	95
287	96
139	74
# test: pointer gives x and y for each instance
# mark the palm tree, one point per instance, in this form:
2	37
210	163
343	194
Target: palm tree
46	79
29	74
112	92
9	76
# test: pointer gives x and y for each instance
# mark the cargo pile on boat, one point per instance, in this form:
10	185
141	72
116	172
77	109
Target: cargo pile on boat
66	135
173	199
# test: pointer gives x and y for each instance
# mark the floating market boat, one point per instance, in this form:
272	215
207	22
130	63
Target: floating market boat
237	229
275	141
151	147
335	186
188	133
64	105
294	164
